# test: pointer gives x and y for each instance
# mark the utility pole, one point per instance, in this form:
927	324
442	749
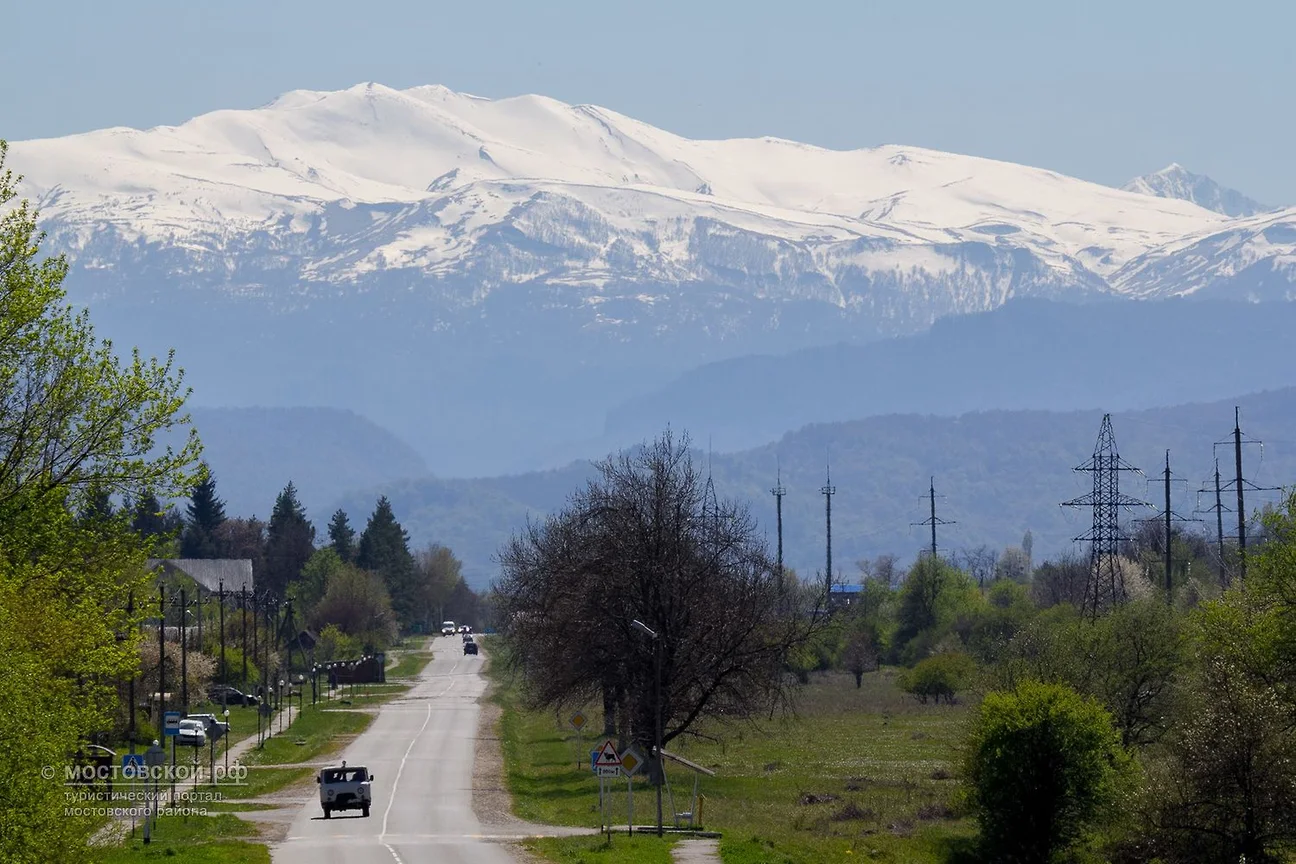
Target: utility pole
778	492
243	610
1241	508
130	617
828	491
221	596
932	521
161	653
1240	483
1169	516
184	654
1219	510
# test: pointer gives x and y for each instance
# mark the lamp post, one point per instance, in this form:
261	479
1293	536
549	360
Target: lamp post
301	685
227	741
657	702
279	703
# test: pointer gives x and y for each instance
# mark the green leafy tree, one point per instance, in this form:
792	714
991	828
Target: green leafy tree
206	513
357	603
342	536
943	676
1044	767
290	542
384	549
322	567
74	419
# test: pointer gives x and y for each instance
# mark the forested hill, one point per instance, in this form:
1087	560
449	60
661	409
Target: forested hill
999	474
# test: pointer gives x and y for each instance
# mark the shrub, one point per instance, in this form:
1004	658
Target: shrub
939	677
1044	767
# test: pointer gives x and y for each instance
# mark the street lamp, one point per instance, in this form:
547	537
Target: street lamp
227	741
279	703
301	685
657	702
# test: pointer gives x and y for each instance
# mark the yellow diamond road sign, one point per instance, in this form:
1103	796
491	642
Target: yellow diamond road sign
577	721
631	761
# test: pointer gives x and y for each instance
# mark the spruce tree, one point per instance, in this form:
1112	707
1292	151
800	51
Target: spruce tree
206	513
147	519
384	549
98	507
290	542
342	537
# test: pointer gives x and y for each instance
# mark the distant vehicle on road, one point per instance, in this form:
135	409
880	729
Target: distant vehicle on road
345	788
192	733
225	695
470	647
448	628
464	628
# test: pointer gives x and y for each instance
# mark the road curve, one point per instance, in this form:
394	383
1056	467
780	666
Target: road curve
420	749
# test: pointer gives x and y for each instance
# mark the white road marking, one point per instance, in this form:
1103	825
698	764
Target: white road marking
391	797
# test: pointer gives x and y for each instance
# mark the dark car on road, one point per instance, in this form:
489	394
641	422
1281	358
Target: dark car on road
470	647
225	695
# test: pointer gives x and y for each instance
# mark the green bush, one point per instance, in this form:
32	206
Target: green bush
939	677
1044	767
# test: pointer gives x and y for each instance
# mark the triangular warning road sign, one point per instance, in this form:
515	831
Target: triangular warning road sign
607	754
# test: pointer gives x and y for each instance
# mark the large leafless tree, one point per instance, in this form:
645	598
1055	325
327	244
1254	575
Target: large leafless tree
648	540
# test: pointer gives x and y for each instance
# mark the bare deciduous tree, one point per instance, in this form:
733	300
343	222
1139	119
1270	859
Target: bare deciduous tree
645	541
979	563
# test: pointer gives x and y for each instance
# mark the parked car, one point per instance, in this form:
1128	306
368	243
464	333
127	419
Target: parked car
225	695
448	628
470	647
212	726
345	788
192	733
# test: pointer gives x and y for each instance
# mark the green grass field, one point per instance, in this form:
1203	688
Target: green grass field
864	772
409	664
194	840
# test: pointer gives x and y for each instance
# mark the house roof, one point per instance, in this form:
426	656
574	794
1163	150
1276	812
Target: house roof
847	589
234	573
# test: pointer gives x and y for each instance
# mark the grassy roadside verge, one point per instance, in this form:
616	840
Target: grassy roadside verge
195	840
858	773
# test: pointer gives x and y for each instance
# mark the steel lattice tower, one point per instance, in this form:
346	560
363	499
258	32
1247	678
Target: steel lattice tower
1106	584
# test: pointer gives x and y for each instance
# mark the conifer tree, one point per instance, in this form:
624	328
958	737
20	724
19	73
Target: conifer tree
384	549
342	536
206	513
290	542
147	519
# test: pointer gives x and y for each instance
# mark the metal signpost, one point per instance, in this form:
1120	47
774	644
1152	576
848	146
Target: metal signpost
154	758
578	721
631	761
171	729
607	763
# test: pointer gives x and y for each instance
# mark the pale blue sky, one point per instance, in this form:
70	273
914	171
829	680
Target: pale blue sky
1099	90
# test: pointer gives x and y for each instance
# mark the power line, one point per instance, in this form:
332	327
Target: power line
1170	517
1106	584
778	492
1239	484
1219	510
932	520
828	491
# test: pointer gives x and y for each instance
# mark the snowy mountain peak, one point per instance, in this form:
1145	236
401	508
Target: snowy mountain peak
1176	181
465	194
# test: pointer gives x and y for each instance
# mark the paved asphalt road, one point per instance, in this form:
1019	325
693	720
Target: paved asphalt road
420	750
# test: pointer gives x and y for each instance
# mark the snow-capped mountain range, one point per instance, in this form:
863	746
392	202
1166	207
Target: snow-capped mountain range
430	184
523	264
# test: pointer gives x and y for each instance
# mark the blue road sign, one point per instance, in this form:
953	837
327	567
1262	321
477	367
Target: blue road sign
132	764
594	761
171	723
